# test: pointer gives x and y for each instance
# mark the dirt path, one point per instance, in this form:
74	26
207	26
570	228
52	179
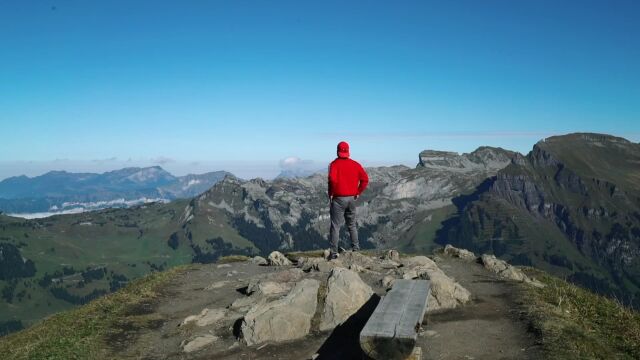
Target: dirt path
487	328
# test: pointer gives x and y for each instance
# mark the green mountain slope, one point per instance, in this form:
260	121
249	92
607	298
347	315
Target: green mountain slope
571	207
51	264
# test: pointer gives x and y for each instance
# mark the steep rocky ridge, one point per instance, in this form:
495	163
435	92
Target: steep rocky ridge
571	206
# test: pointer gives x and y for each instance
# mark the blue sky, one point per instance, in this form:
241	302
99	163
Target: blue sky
202	85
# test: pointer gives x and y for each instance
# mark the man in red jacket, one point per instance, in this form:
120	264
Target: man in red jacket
347	180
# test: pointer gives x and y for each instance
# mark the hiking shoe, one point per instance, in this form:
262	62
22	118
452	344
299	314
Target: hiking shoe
333	255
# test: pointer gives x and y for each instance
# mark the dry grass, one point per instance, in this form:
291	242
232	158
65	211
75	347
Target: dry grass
232	259
574	323
82	333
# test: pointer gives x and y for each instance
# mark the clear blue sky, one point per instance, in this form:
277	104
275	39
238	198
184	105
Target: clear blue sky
208	82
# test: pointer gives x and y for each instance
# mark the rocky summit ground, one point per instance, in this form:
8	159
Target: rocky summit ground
251	310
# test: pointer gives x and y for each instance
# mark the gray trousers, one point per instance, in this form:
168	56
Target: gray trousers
343	208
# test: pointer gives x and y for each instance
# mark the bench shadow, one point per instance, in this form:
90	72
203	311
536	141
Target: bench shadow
344	341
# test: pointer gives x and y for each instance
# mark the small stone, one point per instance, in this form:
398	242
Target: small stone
222	266
430	333
356	268
217	285
206	317
387	281
199	343
392	255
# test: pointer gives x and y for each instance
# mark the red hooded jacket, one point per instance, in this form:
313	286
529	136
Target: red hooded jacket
346	177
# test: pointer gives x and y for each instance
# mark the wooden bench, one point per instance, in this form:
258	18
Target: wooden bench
392	329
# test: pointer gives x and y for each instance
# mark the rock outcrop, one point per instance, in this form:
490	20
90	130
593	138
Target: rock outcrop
459	253
506	270
484	159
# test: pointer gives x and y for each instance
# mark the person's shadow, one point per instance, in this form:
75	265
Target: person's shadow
344	341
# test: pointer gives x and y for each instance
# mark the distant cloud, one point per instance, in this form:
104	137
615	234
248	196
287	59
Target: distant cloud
162	160
294	162
103	161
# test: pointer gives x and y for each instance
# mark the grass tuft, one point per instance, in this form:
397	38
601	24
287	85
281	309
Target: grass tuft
232	259
575	323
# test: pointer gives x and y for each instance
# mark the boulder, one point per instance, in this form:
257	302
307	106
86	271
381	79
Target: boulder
199	342
346	293
276	258
206	317
284	319
459	253
502	268
445	292
259	260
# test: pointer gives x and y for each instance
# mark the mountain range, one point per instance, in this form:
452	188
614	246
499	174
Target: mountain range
570	207
61	191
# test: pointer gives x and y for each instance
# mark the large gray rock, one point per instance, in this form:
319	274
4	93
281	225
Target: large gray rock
346	293
276	258
284	319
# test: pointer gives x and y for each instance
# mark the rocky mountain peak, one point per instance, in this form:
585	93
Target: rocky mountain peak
484	158
590	138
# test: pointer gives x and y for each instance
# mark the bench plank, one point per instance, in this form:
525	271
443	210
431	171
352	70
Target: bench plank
392	329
